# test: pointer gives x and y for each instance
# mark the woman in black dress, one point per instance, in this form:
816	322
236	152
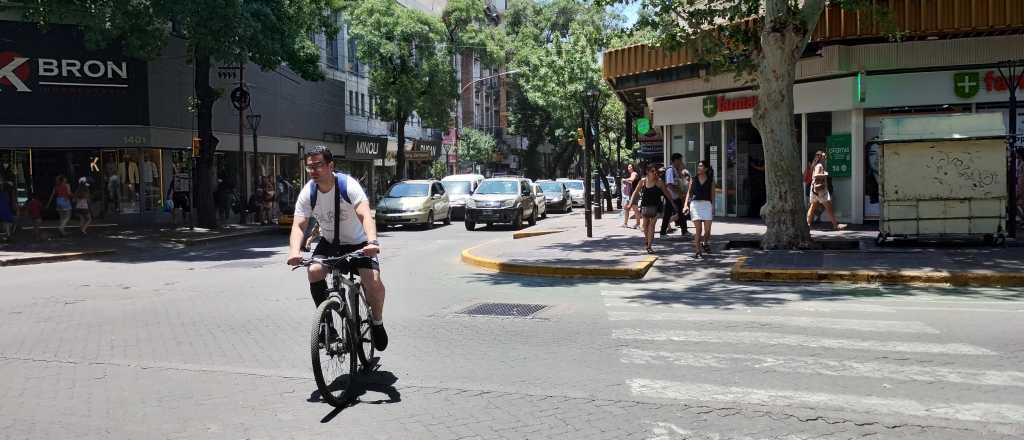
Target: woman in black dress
651	188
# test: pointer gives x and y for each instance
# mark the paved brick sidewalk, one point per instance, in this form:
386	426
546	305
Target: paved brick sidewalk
735	240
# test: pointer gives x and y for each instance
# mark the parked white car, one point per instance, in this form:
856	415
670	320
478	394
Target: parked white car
575	190
460	188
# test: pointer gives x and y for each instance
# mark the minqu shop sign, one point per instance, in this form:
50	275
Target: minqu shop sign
365	147
52	79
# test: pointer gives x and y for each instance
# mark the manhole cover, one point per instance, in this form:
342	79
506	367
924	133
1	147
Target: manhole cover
503	309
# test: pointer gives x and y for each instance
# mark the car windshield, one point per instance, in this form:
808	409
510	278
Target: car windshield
551	187
455	187
574	185
409	190
498	187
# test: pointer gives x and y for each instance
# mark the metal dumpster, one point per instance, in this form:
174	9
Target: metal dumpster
943	177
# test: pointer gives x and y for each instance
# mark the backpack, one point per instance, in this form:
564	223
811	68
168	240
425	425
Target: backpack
340	187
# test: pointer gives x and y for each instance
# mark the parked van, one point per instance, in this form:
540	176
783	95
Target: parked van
459	187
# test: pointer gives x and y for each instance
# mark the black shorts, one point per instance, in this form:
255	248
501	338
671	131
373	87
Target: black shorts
180	199
327	249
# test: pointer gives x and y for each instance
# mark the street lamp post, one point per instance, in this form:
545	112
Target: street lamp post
1008	70
254	124
589	102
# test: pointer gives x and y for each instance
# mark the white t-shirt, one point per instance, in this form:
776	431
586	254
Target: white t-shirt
670	179
351	229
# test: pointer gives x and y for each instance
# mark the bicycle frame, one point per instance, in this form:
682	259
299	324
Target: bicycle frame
351	288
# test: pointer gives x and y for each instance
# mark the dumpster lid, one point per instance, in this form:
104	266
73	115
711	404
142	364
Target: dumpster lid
958	126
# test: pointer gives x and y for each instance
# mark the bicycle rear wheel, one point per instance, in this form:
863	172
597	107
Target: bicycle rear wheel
331	347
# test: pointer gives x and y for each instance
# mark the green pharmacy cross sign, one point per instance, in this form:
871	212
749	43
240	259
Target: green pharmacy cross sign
643	126
966	84
710	106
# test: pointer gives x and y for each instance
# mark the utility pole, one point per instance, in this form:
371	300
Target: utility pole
242	179
1011	77
586	177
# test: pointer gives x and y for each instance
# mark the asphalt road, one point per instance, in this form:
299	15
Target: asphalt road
211	342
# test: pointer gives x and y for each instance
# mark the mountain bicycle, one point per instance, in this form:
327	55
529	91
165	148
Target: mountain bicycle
340	342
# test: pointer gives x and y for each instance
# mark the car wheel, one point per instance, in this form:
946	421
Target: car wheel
470	225
448	218
489	225
430	220
533	216
517	221
545	214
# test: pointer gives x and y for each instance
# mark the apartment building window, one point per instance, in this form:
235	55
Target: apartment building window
369	104
351	100
354	66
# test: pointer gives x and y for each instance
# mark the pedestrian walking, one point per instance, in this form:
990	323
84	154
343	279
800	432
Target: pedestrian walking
675	179
61	195
35	213
180	193
269	199
82	207
7	210
650	189
819	194
699	199
628	184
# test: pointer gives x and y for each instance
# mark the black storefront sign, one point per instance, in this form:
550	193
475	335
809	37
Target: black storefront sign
365	148
424	150
50	78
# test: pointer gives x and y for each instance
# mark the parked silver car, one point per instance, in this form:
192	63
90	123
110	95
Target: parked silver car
414	202
575	190
540	201
557	195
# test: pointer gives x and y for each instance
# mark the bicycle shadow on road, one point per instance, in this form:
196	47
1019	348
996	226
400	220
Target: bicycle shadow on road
376	382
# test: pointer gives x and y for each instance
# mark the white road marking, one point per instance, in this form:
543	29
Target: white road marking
699	303
790	321
763	338
827	367
975	412
669	431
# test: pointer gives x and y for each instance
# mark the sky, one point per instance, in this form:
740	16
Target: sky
630	11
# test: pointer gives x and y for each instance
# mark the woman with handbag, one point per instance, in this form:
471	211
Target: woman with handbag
628	184
650	189
819	195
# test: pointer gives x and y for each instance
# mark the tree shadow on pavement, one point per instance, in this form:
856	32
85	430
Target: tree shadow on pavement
376	382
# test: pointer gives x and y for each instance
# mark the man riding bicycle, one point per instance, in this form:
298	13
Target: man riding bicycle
346	226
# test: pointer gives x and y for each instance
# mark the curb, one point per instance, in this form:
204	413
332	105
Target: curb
204	240
987	278
54	258
528	234
635	271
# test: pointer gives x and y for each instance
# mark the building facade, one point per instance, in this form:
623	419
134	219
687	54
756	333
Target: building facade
125	127
851	79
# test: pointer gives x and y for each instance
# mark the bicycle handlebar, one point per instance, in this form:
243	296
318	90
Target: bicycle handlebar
330	261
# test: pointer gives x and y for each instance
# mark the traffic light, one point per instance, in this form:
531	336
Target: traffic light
196	143
579	137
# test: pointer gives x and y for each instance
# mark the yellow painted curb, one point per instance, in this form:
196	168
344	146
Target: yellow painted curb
986	278
635	271
53	258
528	234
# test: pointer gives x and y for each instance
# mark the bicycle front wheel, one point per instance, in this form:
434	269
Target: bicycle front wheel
331	347
364	342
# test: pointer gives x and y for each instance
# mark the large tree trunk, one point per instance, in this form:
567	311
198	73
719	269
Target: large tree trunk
533	166
205	170
400	156
784	213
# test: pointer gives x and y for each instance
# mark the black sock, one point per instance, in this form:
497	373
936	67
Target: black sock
318	291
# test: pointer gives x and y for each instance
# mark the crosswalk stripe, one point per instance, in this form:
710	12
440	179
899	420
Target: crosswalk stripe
677	302
791	321
827	367
764	338
975	412
669	431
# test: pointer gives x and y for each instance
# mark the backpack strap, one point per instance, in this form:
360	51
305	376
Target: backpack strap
341	187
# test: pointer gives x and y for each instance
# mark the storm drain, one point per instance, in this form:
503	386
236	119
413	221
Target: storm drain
503	309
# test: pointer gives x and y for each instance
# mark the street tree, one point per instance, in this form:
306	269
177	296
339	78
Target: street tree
269	33
476	147
760	42
410	72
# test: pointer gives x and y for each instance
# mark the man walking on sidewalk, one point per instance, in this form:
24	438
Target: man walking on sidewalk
677	180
